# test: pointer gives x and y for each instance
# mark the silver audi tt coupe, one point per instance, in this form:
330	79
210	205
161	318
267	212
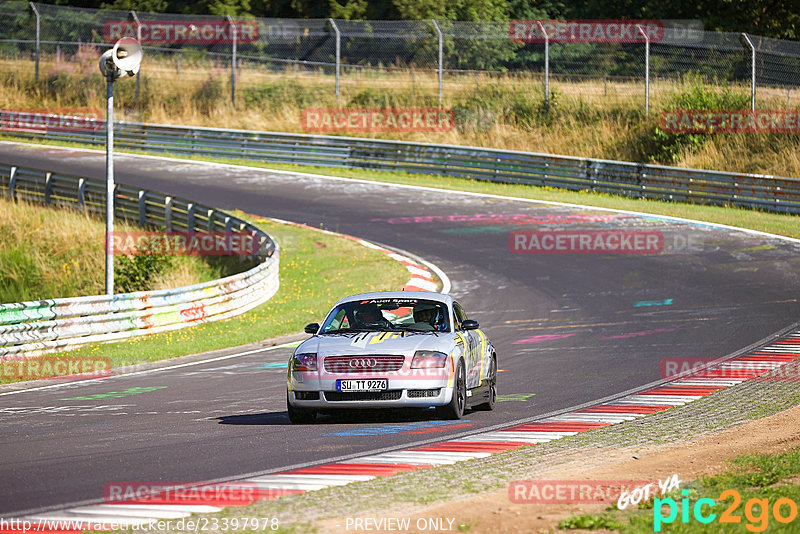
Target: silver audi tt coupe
393	349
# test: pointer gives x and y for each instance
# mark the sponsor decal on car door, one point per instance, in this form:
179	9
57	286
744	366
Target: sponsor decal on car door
472	342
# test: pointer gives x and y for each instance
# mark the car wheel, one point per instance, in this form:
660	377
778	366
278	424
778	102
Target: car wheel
490	402
455	408
299	415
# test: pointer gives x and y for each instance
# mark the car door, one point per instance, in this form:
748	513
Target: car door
472	348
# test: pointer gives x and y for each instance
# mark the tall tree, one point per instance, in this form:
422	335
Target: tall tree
349	9
466	10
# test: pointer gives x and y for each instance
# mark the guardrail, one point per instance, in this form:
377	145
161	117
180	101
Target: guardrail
765	192
36	327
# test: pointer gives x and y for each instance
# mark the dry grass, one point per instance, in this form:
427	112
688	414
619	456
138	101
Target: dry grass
59	252
181	274
48	252
603	119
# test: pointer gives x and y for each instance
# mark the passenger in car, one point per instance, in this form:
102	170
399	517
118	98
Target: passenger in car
428	317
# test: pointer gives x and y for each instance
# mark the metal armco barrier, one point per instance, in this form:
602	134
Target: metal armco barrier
772	193
31	328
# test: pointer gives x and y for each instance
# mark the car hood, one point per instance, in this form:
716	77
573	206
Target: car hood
377	343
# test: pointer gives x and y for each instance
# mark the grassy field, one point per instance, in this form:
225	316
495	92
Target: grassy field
602	119
53	252
311	277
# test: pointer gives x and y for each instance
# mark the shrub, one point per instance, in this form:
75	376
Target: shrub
209	95
667	147
134	273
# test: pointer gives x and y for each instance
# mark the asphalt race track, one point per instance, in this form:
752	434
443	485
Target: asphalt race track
568	328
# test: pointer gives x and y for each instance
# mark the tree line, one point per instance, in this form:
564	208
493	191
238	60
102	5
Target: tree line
772	18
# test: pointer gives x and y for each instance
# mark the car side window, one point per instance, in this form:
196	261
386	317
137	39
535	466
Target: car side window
460	315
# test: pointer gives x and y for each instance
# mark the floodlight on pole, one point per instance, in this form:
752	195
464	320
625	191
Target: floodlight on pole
121	61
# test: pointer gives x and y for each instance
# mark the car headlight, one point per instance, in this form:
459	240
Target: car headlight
426	359
304	362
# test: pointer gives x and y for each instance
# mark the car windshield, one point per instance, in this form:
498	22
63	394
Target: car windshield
388	314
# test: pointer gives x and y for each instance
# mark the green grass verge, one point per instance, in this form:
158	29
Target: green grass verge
759	480
774	223
316	270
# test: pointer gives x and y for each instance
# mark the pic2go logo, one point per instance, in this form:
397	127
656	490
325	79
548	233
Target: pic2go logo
756	511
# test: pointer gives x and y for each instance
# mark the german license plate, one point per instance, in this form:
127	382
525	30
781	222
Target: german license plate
373	384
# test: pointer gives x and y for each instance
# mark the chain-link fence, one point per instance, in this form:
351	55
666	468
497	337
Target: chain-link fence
426	56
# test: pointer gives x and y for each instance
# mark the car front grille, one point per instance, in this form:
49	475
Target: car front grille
421	393
335	396
386	363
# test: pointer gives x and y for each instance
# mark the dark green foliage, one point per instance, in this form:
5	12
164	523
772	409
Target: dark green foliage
771	18
667	147
133	273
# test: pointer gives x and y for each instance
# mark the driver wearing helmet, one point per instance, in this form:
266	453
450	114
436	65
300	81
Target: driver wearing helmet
369	316
428	317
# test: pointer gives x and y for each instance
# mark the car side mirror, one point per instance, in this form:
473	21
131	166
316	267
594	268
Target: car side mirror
469	324
312	328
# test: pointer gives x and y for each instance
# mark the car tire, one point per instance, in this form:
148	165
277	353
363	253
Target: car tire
299	416
455	408
490	402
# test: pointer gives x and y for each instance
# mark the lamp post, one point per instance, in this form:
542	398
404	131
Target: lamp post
121	61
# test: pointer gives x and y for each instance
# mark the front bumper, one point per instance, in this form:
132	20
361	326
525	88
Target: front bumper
401	393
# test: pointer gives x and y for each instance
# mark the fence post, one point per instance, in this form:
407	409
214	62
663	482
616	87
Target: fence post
138	38
210	220
190	216
142	208
38	41
233	60
12	183
338	52
441	41
48	187
747	43
82	193
546	66
646	69
168	213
